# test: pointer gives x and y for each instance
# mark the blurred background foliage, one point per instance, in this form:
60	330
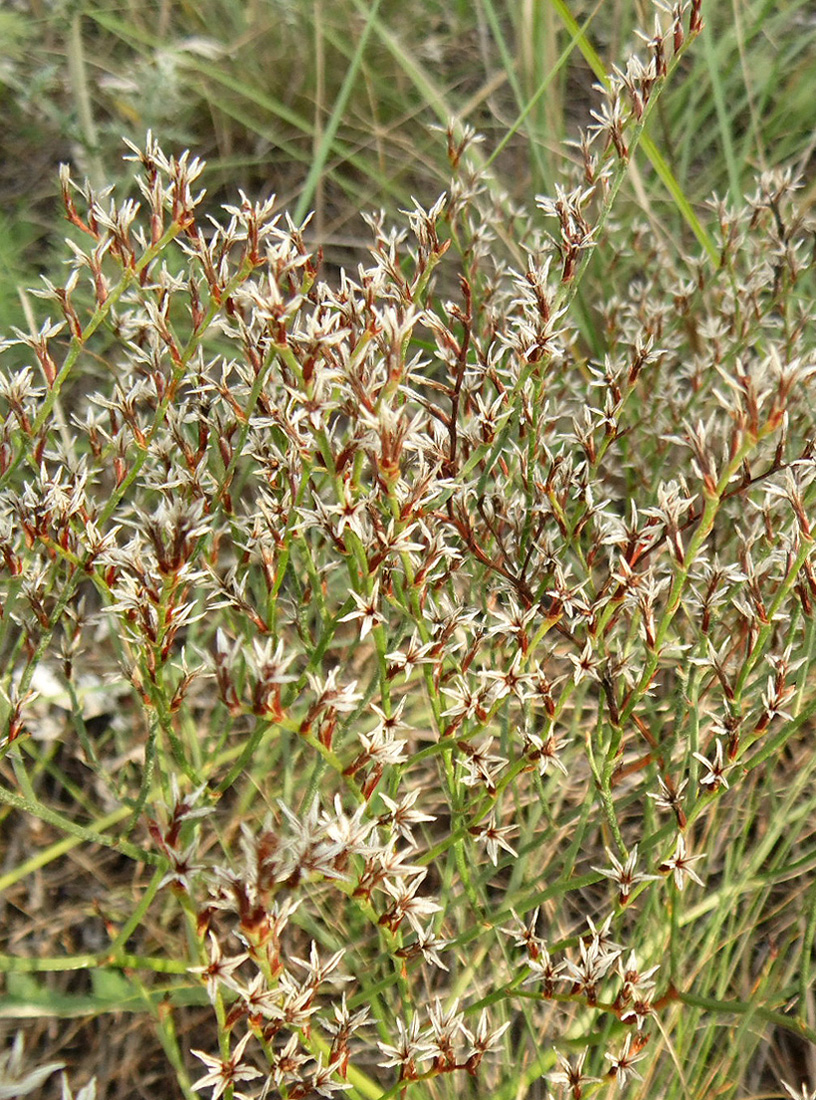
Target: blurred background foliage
335	105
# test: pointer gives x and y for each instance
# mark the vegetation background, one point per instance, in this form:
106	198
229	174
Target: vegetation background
340	106
334	105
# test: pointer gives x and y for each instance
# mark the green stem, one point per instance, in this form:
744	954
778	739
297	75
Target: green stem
748	1008
82	832
54	851
98	960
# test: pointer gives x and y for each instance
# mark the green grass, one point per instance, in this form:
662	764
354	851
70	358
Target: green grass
331	105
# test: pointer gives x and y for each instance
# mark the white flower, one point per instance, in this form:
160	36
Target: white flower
87	1092
407	904
624	874
219	969
622	1063
13	1081
715	773
223	1073
494	837
680	864
571	1074
411	1047
366	610
805	1094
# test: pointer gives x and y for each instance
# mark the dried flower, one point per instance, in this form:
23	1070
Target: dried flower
624	874
222	1073
679	864
14	1081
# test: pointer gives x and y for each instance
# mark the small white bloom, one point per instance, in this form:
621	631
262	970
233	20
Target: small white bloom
13	1080
223	1073
680	864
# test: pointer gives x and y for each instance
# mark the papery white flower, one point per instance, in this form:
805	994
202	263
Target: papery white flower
14	1080
805	1092
366	611
622	1063
218	969
412	1046
624	874
715	770
571	1073
680	864
221	1073
494	837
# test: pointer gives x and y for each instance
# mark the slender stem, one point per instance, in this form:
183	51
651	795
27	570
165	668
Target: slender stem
748	1008
82	832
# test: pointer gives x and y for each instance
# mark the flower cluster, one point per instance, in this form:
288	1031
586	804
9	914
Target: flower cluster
425	597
